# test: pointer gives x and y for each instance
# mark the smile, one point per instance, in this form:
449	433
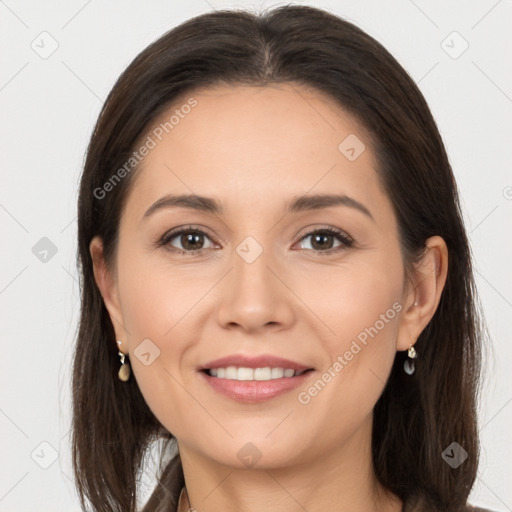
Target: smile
260	374
250	385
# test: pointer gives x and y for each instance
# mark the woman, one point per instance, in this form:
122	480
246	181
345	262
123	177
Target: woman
276	279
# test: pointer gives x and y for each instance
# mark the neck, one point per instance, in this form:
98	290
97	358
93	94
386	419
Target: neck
340	480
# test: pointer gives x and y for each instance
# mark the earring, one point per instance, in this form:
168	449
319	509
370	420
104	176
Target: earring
124	371
409	364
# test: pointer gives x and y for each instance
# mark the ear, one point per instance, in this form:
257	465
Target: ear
107	284
423	294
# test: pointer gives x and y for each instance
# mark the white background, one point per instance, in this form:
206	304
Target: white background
48	110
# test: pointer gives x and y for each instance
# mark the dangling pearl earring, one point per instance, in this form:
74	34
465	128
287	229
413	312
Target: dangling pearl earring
409	364
124	371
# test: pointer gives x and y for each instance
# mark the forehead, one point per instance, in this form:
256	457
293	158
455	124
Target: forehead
244	143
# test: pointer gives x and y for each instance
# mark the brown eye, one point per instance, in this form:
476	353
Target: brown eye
191	241
187	240
322	240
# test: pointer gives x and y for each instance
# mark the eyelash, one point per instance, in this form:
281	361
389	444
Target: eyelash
347	242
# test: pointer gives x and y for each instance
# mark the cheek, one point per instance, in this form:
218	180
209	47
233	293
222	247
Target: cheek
367	323
350	384
346	299
157	296
157	306
362	310
370	307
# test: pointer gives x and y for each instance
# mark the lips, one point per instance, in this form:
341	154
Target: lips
254	391
261	361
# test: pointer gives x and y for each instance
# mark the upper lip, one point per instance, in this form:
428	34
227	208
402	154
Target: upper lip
261	361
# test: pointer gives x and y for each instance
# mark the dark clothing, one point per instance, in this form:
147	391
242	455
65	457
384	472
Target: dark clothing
419	505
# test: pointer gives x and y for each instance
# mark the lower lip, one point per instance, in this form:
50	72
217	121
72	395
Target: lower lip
255	391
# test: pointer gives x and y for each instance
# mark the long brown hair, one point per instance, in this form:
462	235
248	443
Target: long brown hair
113	427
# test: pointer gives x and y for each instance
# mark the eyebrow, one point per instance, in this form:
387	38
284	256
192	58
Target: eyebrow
296	205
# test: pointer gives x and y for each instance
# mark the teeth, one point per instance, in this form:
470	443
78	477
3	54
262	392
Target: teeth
244	374
241	373
231	373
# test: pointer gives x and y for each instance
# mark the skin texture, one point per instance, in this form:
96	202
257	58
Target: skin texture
253	149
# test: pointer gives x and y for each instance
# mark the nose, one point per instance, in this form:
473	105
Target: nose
255	296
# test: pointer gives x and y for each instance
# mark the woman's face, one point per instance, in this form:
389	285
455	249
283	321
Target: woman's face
264	279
